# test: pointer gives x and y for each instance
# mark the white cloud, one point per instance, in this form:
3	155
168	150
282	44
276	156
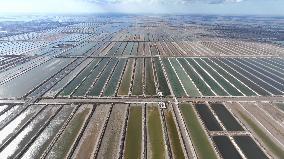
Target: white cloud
144	6
54	6
234	1
164	1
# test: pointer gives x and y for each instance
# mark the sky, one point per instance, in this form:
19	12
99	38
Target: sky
224	7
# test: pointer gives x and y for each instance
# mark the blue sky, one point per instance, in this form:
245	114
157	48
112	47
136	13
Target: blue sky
231	7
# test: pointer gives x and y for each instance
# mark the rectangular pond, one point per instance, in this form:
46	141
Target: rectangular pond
208	118
200	140
21	85
156	148
230	123
249	147
133	141
226	148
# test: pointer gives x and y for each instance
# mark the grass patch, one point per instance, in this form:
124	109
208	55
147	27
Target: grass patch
215	87
200	140
186	82
112	84
230	78
138	84
134	133
230	89
204	89
242	78
173	135
126	79
157	144
163	85
173	79
150	84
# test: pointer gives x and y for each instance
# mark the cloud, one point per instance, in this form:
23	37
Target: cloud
163	1
145	6
155	6
212	1
44	6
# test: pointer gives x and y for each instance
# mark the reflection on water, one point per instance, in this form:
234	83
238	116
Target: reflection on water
17	123
21	85
37	148
22	138
8	113
3	107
